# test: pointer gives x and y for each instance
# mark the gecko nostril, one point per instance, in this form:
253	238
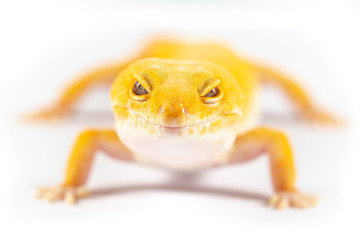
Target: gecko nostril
161	110
185	111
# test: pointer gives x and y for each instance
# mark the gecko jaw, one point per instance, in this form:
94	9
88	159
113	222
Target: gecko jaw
179	133
175	132
178	127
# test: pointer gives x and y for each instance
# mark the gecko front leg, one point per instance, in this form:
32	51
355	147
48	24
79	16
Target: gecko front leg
299	96
104	76
87	144
276	145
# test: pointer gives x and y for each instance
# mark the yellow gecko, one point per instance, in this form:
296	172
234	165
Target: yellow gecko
185	107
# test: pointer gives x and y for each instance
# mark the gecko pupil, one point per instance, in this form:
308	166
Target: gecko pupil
213	93
139	89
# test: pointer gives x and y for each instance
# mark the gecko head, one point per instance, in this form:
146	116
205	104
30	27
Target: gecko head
175	99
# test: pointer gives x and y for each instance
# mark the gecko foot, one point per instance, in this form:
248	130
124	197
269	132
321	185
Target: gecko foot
283	200
320	117
51	114
69	194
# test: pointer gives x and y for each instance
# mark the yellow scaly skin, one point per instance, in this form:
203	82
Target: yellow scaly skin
177	125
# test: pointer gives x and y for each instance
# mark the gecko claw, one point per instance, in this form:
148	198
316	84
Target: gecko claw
69	194
51	114
282	200
320	117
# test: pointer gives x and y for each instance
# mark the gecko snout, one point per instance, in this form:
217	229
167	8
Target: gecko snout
173	115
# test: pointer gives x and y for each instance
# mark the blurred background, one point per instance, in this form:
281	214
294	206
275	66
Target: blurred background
44	45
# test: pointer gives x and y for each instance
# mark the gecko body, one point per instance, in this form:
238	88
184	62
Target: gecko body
185	107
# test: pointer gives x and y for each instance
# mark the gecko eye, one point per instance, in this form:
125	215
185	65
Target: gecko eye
213	96
213	93
139	89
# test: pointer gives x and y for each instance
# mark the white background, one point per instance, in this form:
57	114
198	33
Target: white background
43	44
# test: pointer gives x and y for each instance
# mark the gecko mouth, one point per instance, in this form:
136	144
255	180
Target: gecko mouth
181	126
176	133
